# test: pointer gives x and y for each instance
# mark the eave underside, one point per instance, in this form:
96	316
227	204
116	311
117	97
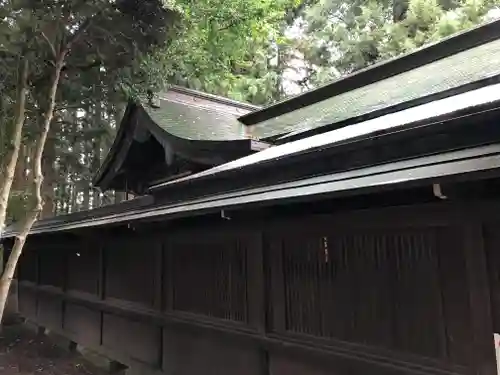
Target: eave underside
144	153
476	164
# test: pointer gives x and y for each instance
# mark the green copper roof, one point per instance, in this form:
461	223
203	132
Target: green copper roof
451	72
196	116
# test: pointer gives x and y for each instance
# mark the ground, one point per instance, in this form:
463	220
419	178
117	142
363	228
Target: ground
22	352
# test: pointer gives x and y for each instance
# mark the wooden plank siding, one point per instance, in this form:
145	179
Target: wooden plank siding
403	290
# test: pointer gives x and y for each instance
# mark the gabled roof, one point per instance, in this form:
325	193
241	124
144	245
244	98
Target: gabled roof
435	71
194	115
186	132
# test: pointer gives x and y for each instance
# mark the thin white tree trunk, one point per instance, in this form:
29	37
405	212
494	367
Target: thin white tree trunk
31	217
12	158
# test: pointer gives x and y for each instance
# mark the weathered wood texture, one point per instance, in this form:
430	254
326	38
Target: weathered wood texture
386	291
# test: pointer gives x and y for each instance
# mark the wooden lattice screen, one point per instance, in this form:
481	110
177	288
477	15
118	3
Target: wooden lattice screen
401	289
383	292
209	278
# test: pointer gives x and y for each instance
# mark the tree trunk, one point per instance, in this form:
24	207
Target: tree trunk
119	113
9	171
50	178
20	178
95	153
86	197
74	196
31	217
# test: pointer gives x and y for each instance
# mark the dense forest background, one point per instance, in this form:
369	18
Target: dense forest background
258	51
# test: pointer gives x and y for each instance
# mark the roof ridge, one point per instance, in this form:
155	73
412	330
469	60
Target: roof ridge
214	98
199	106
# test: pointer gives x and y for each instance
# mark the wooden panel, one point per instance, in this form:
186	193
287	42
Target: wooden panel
454	289
28	264
374	287
27	302
193	353
130	270
83	270
52	265
209	277
138	340
50	312
83	323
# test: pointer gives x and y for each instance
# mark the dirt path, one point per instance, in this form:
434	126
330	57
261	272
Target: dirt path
22	352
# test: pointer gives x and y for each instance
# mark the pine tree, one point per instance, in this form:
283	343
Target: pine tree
345	37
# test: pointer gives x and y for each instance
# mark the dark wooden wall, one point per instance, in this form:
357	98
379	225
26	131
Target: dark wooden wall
388	291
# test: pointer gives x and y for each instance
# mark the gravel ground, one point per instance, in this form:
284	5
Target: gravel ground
22	352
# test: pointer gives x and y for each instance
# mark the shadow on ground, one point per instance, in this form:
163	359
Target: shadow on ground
22	351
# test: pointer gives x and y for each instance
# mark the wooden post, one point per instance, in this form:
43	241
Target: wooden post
102	284
257	299
479	297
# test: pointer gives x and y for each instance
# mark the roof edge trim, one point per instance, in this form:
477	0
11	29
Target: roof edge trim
428	168
214	98
102	176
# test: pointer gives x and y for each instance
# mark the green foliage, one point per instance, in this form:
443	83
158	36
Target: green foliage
227	47
344	38
102	43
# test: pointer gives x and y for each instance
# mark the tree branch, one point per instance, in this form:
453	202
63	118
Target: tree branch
51	45
79	33
95	64
231	24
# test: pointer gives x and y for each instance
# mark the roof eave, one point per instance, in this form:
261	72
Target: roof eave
465	165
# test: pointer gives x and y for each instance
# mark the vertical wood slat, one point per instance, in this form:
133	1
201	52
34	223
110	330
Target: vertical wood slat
38	278
38	261
277	286
102	286
168	277
454	290
102	270
65	283
158	298
441	335
479	297
256	283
